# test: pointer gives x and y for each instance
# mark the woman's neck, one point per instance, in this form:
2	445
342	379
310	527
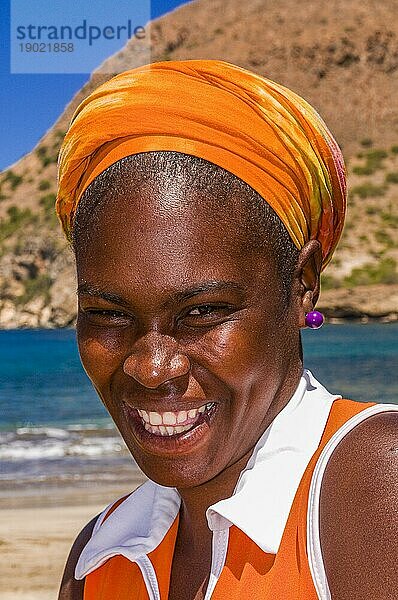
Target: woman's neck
196	500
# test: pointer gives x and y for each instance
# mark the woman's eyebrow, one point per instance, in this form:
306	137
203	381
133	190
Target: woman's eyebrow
208	286
93	290
181	296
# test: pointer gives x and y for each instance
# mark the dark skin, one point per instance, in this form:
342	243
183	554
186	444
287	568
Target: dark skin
183	307
359	515
71	589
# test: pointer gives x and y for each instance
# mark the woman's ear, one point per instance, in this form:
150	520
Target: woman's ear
308	274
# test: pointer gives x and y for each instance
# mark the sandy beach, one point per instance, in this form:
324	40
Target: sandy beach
36	533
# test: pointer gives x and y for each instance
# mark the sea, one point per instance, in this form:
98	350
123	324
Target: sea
53	427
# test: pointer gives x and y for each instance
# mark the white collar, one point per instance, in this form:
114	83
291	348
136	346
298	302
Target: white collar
259	506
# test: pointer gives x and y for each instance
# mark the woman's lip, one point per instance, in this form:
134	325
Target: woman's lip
181	443
175	406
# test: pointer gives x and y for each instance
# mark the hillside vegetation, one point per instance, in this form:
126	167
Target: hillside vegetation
341	56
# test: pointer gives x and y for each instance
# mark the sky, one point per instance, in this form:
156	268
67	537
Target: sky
31	103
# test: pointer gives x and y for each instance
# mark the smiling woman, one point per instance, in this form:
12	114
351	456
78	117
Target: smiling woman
202	202
186	286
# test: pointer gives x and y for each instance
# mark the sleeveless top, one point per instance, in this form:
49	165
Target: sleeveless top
266	542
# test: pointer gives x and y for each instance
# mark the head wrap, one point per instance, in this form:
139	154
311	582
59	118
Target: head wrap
258	130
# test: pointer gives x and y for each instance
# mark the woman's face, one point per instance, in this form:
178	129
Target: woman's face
184	331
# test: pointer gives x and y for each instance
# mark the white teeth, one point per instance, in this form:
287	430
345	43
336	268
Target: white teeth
169	418
182	428
166	431
182	416
171	423
152	428
155	418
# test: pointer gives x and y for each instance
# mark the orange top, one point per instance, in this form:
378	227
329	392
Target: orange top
248	571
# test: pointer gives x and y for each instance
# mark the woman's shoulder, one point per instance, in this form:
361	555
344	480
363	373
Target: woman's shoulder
71	588
358	508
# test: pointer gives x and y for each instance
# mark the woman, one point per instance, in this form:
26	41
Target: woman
202	202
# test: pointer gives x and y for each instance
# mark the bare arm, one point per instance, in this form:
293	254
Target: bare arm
359	512
71	589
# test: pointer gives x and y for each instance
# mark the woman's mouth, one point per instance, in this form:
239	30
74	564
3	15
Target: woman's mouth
172	423
170	431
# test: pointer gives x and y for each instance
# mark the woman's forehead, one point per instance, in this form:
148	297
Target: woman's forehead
153	226
155	242
167	209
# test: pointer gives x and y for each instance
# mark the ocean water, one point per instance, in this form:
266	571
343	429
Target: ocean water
54	427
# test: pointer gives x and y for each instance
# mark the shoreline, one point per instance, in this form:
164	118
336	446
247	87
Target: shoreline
56	493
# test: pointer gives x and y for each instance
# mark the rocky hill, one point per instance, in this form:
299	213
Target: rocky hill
341	56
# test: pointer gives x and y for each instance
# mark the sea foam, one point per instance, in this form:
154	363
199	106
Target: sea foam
34	443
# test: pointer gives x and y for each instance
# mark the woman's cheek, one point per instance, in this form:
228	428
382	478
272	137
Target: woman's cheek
228	350
101	354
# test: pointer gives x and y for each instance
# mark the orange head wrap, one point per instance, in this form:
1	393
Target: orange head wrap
256	129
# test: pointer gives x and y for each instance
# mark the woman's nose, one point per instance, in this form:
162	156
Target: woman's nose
156	359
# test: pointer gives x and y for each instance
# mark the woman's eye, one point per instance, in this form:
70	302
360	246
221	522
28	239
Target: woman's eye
207	312
200	311
106	315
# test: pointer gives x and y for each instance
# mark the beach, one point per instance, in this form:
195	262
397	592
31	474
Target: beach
37	531
33	547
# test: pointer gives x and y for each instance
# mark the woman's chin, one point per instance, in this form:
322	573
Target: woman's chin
180	473
174	457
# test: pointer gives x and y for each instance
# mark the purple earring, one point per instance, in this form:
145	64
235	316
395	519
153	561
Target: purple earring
314	319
